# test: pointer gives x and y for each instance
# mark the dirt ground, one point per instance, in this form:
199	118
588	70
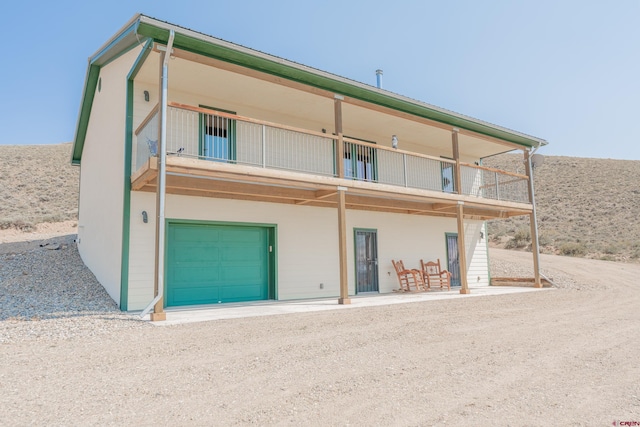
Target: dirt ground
568	356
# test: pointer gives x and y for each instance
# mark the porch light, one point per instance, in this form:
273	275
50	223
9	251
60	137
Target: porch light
394	141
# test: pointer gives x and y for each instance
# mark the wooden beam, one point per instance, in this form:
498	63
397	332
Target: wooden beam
248	119
146	174
342	248
318	195
444	206
221	186
147	119
462	251
355	199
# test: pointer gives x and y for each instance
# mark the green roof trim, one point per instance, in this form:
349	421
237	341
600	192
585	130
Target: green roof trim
90	84
215	48
126	39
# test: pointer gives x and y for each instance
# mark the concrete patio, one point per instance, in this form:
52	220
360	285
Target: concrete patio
193	314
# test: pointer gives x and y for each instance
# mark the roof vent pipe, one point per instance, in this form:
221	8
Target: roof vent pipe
379	78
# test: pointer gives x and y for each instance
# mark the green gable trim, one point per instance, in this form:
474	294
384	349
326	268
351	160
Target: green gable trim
116	47
306	77
126	205
90	85
125	41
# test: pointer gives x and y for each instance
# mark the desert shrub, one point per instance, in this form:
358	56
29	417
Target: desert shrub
611	249
573	249
17	224
544	240
56	217
520	239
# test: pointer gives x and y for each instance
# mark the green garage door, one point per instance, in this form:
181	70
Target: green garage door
210	264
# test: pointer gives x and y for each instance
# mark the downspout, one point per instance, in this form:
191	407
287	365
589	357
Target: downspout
162	179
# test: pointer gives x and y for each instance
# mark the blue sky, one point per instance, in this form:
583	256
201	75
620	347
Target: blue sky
565	71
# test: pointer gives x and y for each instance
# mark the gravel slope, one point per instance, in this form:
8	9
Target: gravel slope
565	356
47	292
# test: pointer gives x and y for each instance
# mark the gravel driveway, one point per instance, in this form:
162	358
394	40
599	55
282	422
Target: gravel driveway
563	357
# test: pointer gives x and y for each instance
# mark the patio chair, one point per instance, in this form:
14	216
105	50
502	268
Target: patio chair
432	274
408	278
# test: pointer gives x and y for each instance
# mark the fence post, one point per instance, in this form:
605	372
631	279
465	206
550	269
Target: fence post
497	186
404	162
264	146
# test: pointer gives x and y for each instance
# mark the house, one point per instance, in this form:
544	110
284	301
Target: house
214	173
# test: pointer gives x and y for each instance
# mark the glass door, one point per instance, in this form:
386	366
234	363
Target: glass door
448	183
366	252
453	258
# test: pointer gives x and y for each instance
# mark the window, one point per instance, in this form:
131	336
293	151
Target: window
217	137
448	181
359	161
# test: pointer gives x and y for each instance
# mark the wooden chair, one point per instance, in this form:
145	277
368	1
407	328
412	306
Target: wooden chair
408	278
432	274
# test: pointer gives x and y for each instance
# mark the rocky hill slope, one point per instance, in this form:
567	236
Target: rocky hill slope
37	184
586	207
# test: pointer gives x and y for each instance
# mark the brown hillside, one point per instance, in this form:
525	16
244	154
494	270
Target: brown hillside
37	184
586	207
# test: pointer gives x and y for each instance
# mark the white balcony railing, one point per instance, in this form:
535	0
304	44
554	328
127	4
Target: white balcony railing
494	184
223	137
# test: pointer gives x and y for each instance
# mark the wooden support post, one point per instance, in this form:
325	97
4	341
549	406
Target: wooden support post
342	246
337	104
533	221
456	156
462	250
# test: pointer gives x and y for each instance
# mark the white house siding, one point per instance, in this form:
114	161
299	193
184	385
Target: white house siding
307	242
409	238
477	257
141	109
102	175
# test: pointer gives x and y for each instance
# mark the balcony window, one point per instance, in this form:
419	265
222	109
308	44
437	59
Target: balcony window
217	137
359	162
448	184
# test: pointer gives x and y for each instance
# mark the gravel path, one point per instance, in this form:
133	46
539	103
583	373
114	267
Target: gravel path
567	356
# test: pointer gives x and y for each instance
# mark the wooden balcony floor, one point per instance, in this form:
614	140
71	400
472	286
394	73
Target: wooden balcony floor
194	177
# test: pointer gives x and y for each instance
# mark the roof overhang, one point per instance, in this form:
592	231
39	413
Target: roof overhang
141	28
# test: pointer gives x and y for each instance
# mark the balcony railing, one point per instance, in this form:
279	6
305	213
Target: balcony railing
223	137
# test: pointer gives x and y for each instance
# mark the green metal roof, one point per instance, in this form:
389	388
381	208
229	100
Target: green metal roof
140	28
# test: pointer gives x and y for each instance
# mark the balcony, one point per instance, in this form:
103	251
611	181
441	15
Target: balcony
219	154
